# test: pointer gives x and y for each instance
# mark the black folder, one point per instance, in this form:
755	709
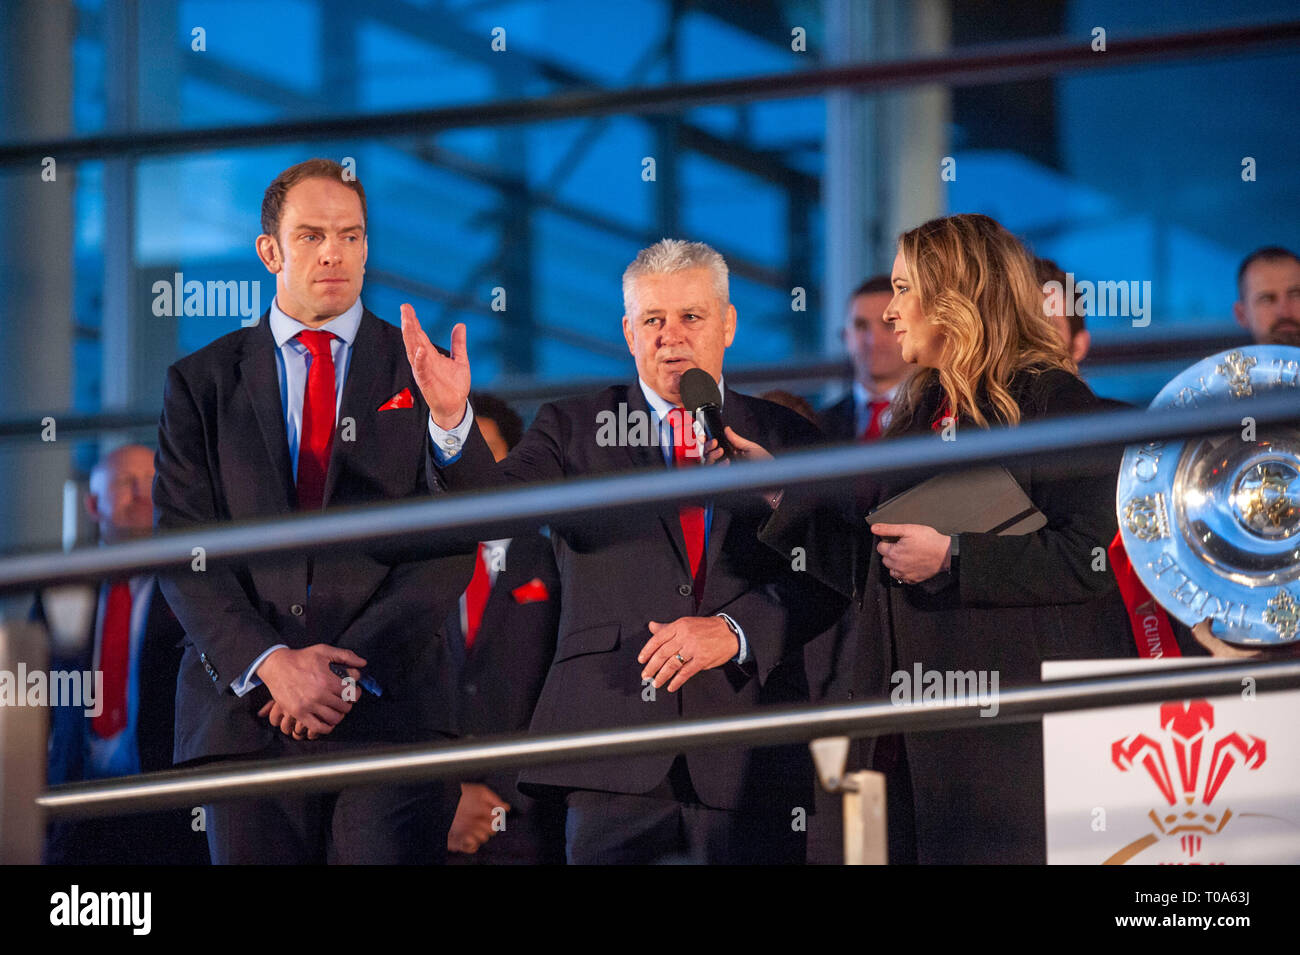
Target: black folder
984	500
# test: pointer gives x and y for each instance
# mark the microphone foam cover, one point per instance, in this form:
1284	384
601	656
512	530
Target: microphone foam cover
698	389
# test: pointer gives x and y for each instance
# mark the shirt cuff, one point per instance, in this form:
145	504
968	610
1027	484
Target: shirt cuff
447	445
743	656
249	680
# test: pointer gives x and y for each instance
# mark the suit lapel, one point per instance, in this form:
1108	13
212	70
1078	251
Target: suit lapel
257	374
362	396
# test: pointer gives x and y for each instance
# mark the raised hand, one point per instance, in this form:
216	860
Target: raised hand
443	381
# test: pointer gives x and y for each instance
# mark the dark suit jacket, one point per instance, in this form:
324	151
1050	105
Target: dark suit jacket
619	574
223	455
839	421
501	676
165	837
157	666
1013	602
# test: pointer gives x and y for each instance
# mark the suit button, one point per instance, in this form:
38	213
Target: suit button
684	590
470	689
296	610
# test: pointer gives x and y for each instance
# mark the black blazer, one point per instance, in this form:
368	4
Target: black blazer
839	421
223	455
157	666
501	676
619	574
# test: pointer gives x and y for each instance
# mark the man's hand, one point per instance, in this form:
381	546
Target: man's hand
1206	638
305	690
702	642
918	554
285	723
474	816
443	381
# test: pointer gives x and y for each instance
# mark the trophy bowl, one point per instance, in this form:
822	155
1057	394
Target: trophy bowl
1211	523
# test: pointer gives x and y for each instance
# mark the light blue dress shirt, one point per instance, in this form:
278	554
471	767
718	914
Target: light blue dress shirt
292	363
449	444
862	399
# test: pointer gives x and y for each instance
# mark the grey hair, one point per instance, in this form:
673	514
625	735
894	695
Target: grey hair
676	255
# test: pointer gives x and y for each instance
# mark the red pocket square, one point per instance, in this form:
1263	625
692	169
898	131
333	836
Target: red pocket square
400	400
531	592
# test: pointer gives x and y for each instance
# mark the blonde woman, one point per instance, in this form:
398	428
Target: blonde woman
968	313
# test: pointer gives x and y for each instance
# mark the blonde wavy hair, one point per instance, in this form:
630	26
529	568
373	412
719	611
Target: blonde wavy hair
974	281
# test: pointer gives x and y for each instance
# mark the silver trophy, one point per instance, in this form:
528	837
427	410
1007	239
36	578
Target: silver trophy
1212	524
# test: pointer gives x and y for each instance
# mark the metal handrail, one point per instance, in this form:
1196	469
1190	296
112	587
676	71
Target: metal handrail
466	760
827	371
971	66
450	521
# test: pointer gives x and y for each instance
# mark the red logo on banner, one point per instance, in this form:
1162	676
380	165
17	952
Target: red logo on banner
1201	767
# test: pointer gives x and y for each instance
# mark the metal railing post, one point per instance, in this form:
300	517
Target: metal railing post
24	649
866	822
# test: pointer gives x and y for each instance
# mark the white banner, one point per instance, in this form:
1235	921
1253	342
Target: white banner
1187	782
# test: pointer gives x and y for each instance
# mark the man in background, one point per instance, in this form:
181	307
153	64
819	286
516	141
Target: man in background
1070	326
1268	296
124	630
878	366
502	637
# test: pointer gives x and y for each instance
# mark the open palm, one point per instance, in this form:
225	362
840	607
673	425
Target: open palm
444	381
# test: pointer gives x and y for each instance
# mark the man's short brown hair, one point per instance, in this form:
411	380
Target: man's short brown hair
273	198
1046	270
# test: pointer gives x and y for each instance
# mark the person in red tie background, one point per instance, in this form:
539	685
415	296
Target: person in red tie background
313	407
674	613
503	637
878	367
125	631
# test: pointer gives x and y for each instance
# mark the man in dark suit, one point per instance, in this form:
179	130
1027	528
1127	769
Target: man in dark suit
125	631
313	407
673	614
878	367
502	636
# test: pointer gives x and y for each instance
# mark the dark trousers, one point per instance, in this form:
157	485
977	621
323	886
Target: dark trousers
149	838
670	825
396	824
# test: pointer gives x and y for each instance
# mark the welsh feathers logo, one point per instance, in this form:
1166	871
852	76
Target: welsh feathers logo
1194	805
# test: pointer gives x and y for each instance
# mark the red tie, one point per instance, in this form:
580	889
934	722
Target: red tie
317	421
873	429
476	597
114	661
686	453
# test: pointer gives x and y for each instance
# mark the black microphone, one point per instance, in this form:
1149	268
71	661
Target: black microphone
701	397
